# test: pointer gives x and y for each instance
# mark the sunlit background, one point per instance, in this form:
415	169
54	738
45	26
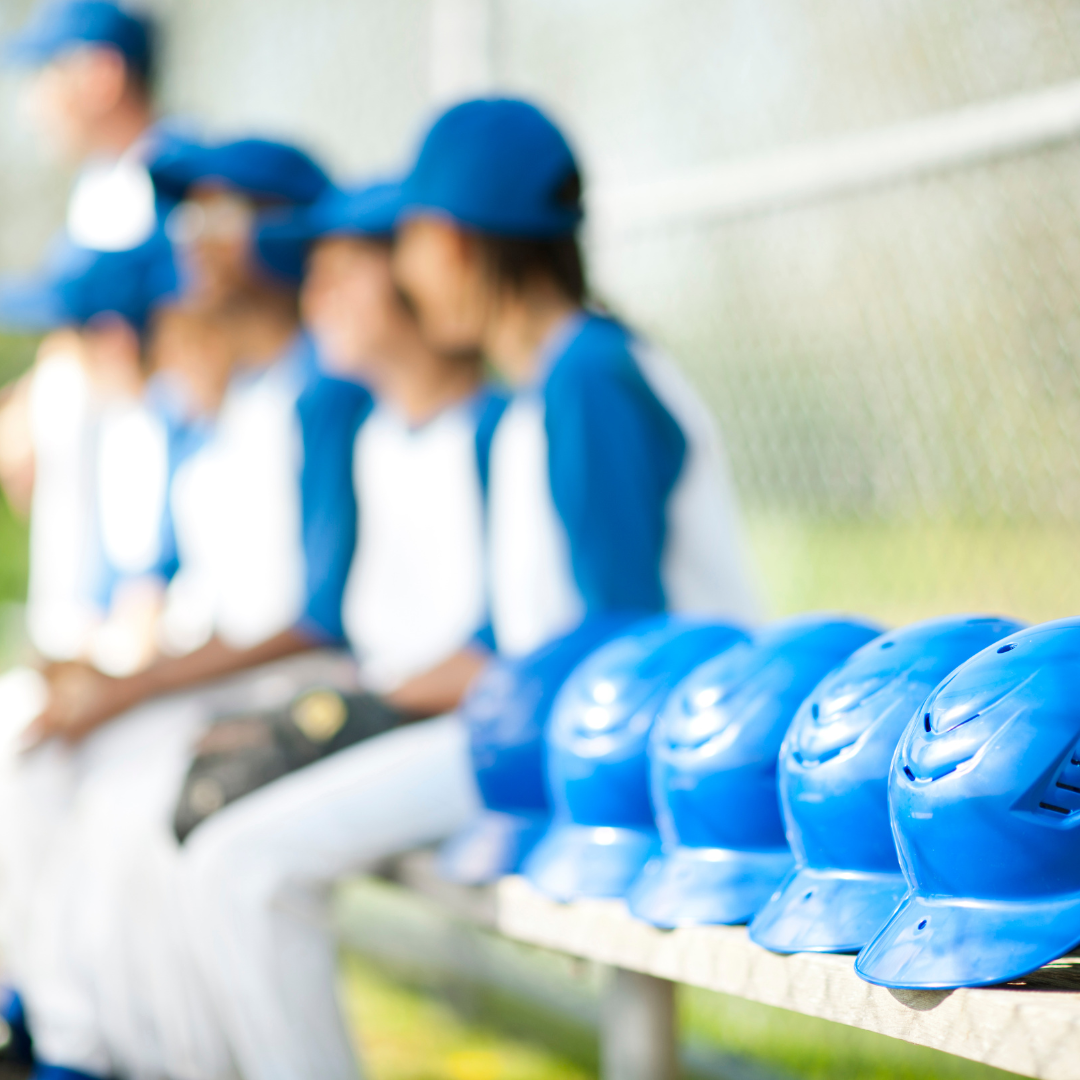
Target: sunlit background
893	364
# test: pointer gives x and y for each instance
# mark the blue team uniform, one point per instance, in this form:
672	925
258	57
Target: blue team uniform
416	589
264	513
609	492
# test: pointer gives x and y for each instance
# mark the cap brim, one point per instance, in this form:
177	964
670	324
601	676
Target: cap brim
283	244
31	306
489	847
819	910
946	943
573	861
283	248
696	886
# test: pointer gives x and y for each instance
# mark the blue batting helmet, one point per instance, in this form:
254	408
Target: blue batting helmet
506	712
604	832
984	798
713	756
834	768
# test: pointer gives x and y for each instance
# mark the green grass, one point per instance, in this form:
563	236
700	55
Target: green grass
404	1034
14	562
407	1032
16	354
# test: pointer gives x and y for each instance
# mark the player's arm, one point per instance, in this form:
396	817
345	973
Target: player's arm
441	688
614	454
82	698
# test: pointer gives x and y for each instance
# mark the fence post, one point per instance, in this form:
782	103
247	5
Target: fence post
462	56
637	1027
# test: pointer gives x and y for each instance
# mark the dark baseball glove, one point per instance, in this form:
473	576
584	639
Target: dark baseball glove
242	753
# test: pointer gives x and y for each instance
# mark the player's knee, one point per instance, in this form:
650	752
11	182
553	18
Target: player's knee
222	868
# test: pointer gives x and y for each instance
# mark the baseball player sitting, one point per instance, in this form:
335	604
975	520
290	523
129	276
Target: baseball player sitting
89	69
414	610
127	457
256	518
607	492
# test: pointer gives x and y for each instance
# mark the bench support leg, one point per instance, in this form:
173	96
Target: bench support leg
637	1027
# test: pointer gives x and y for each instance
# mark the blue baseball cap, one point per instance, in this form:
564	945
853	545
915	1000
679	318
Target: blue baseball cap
499	166
283	240
69	24
259	168
79	285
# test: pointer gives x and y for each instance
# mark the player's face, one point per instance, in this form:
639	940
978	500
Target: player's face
192	352
350	303
213	230
440	270
70	97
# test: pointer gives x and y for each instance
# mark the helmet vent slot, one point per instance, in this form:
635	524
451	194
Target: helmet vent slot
1007	648
908	773
1062	796
926	721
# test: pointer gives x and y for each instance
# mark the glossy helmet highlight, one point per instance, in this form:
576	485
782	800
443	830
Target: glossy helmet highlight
834	768
603	831
506	712
984	797
713	756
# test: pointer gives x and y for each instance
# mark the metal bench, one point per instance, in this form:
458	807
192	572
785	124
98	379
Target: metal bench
1031	1027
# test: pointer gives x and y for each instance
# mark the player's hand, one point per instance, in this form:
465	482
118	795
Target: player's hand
81	699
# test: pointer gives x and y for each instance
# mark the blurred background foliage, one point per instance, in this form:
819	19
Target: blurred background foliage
16	354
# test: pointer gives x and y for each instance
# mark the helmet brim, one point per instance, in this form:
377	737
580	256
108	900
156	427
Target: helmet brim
944	943
698	886
573	861
824	910
491	846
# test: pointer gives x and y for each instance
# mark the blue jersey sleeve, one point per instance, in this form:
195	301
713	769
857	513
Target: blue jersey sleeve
330	412
614	454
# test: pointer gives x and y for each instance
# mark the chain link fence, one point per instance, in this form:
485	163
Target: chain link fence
895	370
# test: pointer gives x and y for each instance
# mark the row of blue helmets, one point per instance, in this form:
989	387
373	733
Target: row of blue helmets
912	796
